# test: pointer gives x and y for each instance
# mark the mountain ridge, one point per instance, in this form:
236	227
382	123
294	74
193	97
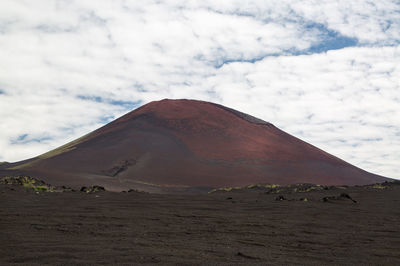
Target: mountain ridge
188	144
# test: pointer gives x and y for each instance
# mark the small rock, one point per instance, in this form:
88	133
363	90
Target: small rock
347	196
92	189
280	198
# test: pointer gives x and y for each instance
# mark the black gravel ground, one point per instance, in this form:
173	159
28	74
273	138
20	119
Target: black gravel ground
248	227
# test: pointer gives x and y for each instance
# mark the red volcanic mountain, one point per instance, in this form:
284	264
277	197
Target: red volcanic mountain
179	144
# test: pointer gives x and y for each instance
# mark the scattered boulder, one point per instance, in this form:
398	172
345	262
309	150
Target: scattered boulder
326	199
341	196
92	189
280	198
27	182
347	196
240	254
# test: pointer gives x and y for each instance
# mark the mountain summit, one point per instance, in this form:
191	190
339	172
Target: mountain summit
186	144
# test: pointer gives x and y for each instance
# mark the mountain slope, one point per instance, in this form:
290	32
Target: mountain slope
181	144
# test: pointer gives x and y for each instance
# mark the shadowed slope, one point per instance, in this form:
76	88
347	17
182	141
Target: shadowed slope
180	144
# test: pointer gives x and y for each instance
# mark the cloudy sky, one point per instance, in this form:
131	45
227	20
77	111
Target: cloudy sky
327	72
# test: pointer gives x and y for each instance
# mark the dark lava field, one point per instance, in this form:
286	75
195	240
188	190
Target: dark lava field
293	225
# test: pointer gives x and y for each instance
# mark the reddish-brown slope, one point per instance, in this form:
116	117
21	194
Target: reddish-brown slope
186	143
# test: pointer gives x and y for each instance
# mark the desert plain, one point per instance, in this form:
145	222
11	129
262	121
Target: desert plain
255	225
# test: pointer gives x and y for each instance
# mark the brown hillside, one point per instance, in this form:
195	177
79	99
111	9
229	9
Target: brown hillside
185	144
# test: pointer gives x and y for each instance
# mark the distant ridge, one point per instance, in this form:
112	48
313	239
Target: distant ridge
246	117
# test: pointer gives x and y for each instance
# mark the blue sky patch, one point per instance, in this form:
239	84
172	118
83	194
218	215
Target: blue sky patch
372	139
125	104
24	139
330	39
223	62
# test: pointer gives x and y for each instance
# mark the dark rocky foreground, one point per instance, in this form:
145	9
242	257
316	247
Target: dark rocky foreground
297	225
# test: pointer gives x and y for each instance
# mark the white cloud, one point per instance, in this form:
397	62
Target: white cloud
56	57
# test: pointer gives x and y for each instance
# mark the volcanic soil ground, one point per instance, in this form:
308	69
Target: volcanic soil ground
225	228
